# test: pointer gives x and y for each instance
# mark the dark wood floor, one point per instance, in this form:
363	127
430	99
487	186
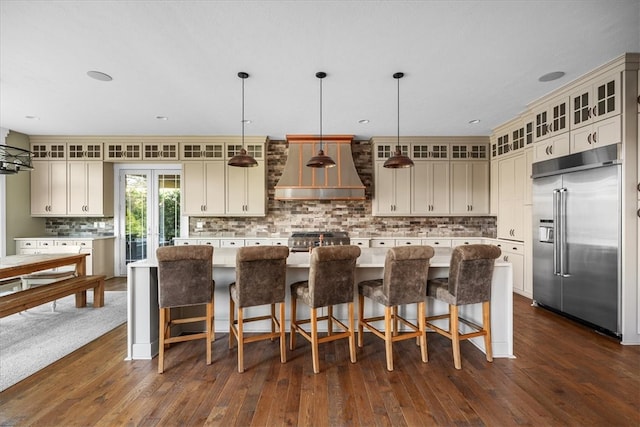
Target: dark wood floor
564	374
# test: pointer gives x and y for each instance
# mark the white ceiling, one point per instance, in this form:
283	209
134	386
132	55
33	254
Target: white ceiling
462	60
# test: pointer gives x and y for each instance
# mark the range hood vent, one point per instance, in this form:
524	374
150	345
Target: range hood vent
299	182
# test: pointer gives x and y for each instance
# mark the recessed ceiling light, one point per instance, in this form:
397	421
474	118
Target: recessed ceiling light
474	121
98	75
363	121
162	118
32	117
554	75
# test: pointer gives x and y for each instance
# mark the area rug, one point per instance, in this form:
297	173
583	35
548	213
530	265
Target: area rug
33	339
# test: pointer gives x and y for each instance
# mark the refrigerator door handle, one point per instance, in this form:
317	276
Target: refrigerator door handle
556	228
563	233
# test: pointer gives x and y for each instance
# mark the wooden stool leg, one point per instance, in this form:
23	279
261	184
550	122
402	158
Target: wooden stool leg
283	336
292	334
396	324
352	335
360	318
455	335
232	319
161	330
423	331
314	340
486	327
209	327
330	320
240	342
388	332
273	323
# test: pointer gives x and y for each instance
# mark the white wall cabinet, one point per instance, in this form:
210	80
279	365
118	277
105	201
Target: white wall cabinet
511	195
392	191
89	188
552	147
85	151
469	188
598	134
246	187
160	151
430	188
596	100
203	188
123	151
552	118
514	253
49	188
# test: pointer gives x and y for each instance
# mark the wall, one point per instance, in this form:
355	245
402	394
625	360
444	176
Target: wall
18	201
352	216
287	216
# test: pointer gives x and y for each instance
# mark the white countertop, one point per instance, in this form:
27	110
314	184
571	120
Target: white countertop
93	237
369	258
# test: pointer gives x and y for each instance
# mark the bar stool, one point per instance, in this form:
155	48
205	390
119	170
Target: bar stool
260	280
185	278
469	282
331	282
405	280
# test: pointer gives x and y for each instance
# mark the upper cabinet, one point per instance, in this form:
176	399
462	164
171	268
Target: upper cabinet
116	151
551	118
596	100
210	187
85	151
427	188
513	136
469	188
89	188
160	150
246	187
49	188
49	150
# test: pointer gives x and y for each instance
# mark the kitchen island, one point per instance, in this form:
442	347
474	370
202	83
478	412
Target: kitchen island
142	321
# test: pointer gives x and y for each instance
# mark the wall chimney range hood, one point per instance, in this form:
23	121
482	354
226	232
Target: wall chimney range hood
299	182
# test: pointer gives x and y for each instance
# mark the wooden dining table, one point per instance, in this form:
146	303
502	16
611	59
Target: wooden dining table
19	265
16	266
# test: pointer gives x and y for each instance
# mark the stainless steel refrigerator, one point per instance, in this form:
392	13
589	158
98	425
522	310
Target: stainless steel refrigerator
577	235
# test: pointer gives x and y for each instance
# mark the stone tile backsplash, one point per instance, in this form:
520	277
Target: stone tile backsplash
284	217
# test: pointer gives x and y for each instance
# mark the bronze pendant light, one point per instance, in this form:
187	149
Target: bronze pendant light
243	160
398	160
321	160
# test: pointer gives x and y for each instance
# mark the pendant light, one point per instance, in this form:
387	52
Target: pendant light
321	160
398	160
243	160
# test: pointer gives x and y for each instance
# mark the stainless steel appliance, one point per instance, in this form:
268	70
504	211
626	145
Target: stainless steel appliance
577	236
302	241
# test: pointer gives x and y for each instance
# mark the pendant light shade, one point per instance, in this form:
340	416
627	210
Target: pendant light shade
243	160
398	160
321	160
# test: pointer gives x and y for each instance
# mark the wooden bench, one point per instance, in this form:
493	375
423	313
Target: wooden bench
33	297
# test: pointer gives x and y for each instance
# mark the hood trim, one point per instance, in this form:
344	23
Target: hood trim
299	182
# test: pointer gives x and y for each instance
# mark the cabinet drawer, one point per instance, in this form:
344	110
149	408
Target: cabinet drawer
258	242
178	242
85	244
231	243
382	243
44	243
27	244
408	242
457	242
437	243
363	243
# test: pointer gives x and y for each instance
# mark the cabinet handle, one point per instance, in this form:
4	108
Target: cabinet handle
595	140
595	111
638	99
638	213
589	139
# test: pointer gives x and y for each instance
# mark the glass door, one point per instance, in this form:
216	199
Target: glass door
149	214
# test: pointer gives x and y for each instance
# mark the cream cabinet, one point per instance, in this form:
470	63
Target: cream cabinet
203	188
360	241
392	191
430	188
48	150
89	188
598	134
160	151
122	151
202	150
596	100
469	152
514	253
100	251
552	147
511	193
246	187
469	188
552	118
49	188
85	151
